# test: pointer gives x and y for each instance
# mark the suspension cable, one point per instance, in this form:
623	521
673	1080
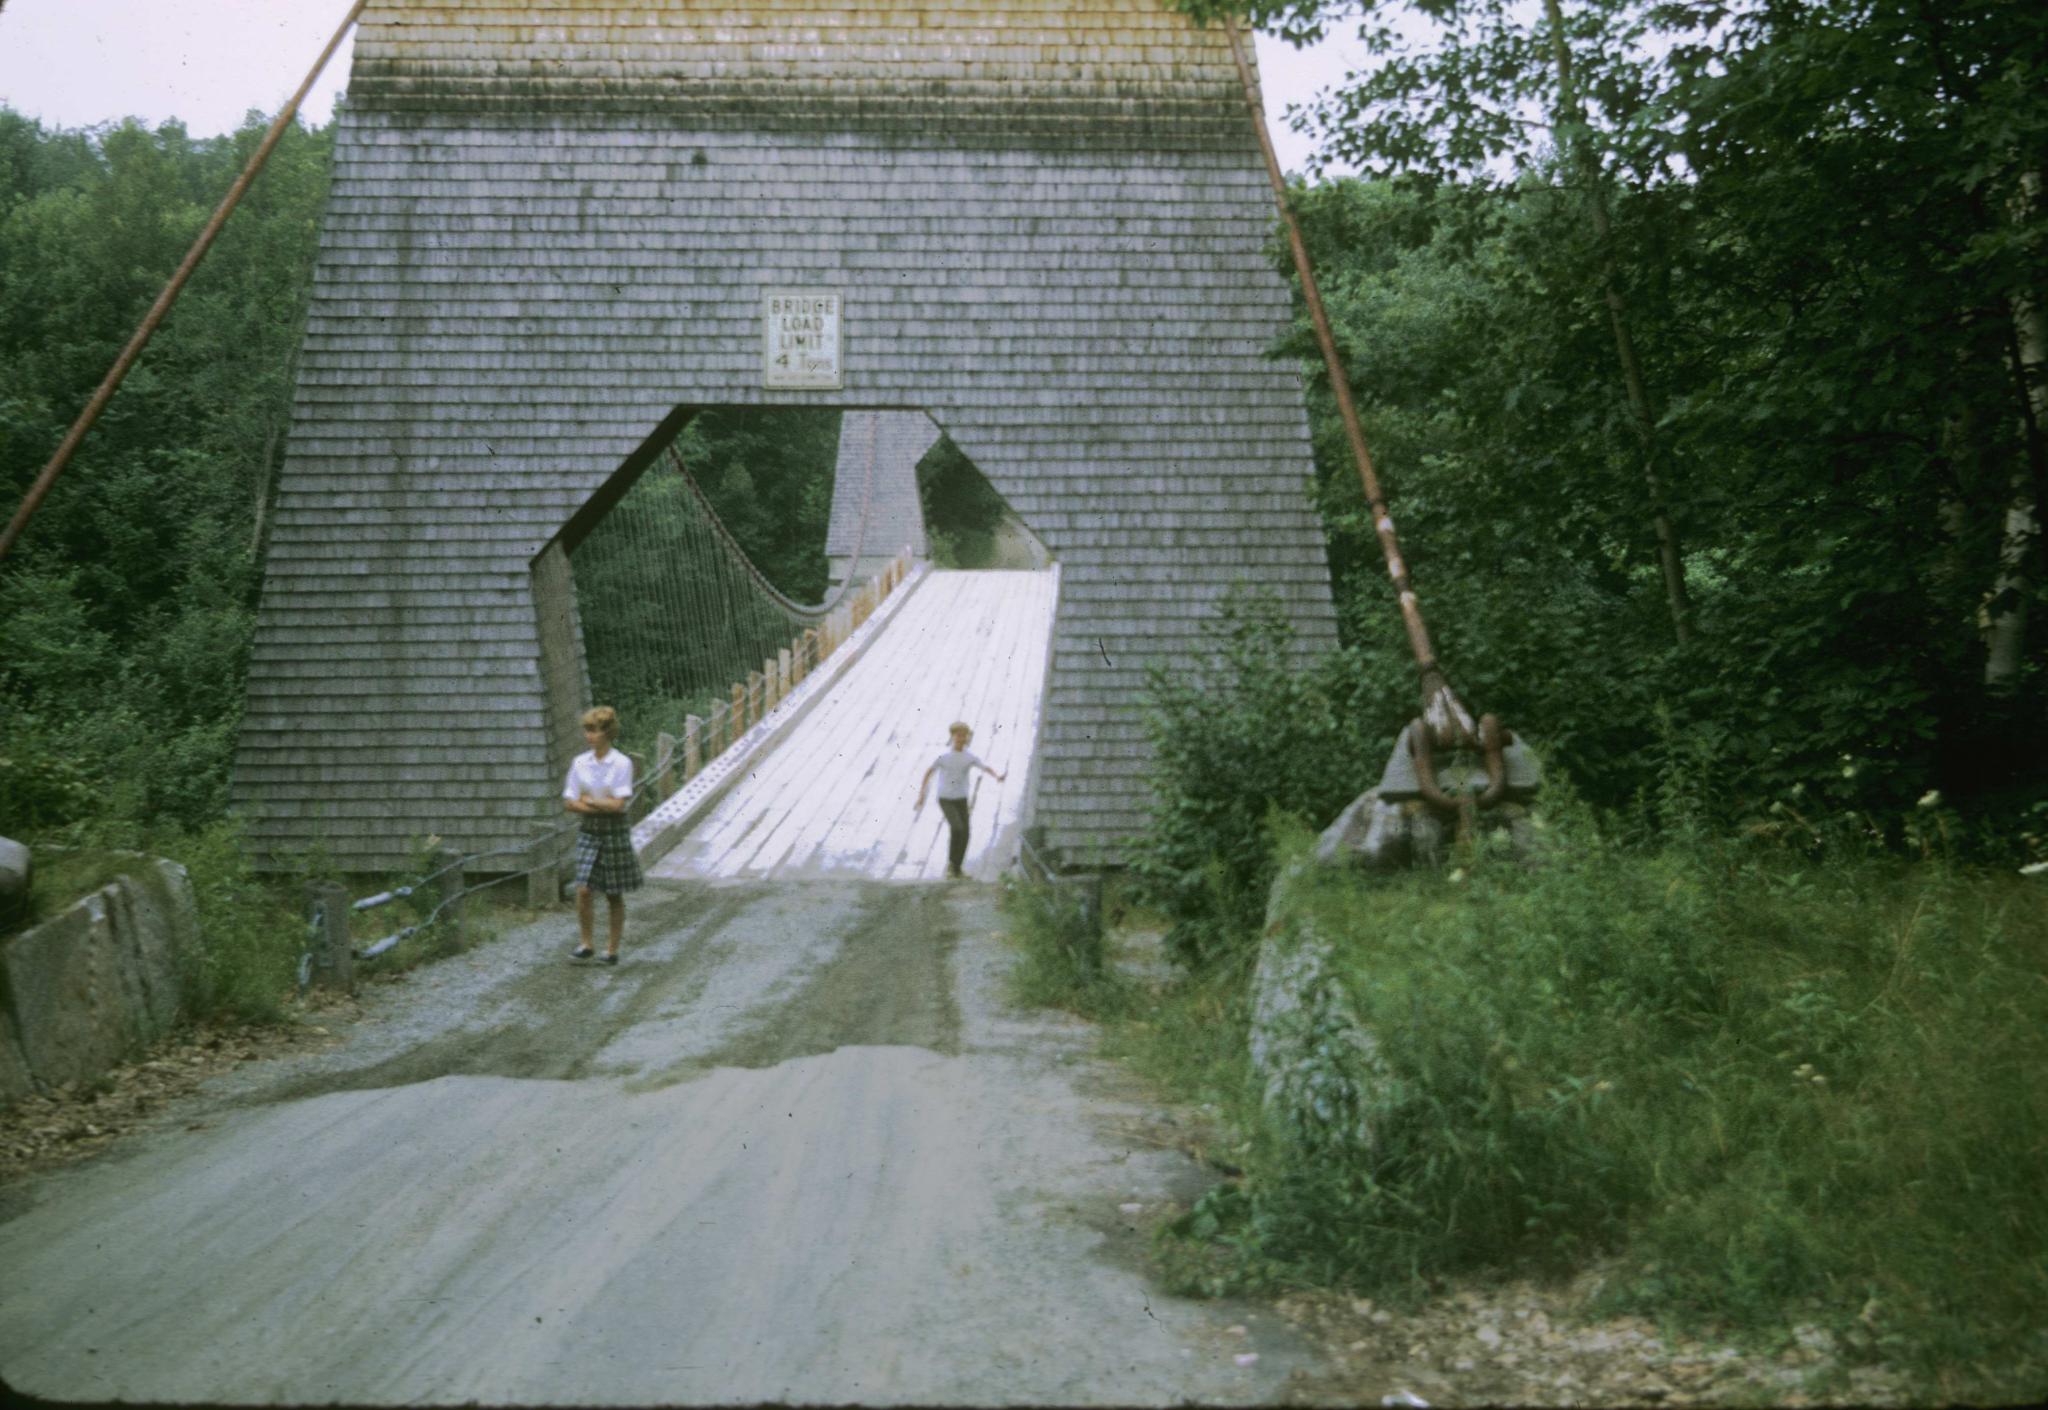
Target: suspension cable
1445	713
800	611
119	371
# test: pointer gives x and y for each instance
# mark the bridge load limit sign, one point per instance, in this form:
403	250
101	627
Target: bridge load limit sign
800	338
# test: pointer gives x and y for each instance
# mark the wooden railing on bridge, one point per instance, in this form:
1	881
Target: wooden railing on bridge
705	737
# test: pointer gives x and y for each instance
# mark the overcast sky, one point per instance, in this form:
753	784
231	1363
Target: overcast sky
72	63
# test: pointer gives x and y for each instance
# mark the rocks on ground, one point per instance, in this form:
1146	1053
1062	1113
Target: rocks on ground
1524	1343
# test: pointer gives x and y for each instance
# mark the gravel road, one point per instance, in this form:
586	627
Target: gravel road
795	1148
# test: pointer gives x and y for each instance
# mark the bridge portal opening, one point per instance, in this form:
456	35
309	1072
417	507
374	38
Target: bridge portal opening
969	523
730	534
901	483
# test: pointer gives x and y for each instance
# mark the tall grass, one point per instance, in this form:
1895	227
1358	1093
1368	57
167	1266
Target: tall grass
1060	962
1777	1088
252	928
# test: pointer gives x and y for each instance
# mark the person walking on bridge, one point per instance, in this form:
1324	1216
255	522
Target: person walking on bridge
599	785
954	767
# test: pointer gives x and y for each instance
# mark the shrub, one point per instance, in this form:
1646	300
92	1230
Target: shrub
1250	731
39	791
961	508
1061	964
1770	1084
251	928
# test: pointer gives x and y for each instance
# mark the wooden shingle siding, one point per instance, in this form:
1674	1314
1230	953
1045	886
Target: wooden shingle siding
897	440
551	224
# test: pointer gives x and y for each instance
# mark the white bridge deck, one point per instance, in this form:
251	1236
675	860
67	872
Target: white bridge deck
836	797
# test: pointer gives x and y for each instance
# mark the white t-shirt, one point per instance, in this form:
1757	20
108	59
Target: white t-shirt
609	777
955	766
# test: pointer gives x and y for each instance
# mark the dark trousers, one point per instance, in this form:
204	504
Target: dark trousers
955	810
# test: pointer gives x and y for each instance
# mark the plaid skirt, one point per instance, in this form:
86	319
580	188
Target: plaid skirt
604	856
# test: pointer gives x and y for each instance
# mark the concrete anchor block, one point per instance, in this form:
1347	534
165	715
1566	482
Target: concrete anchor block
16	1081
1398	780
157	924
1326	1084
17	873
1389	826
1381	834
97	983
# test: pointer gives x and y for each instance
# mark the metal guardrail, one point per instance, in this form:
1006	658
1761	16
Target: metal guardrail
451	895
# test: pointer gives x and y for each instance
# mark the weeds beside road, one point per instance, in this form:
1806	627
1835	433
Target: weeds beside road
1787	1101
252	925
241	998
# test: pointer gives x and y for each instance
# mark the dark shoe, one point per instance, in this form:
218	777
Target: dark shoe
581	952
612	958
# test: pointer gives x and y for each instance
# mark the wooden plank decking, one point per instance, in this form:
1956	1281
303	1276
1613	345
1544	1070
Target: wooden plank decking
836	797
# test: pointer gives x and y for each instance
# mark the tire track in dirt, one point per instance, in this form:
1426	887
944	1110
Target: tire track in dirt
563	1030
890	983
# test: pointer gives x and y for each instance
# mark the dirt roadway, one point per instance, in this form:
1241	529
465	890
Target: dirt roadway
794	1149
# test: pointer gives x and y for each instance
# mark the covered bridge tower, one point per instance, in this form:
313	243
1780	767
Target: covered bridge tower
556	223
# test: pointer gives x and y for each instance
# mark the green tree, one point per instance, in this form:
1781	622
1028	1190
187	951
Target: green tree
1822	226
768	471
129	600
961	508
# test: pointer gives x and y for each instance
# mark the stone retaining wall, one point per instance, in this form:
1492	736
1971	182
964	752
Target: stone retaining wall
96	984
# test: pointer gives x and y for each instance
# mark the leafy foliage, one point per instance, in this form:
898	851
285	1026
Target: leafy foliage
961	508
1247	734
1824	241
1769	1085
126	609
768	471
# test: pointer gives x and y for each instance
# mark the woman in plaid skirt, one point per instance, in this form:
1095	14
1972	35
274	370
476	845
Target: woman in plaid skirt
599	785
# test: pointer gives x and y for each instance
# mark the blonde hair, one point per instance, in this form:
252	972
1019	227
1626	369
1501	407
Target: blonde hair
602	717
960	727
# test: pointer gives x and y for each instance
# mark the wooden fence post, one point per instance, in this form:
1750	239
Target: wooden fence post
1083	942
543	876
736	722
665	760
782	668
448	862
693	746
334	956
